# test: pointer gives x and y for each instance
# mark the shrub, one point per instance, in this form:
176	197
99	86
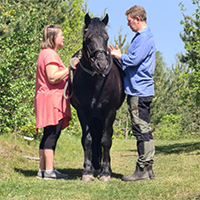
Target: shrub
169	128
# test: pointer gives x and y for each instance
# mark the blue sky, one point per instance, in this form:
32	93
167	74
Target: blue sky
163	18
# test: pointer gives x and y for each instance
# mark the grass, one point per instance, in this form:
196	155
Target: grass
177	170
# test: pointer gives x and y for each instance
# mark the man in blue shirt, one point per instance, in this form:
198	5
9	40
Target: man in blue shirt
138	65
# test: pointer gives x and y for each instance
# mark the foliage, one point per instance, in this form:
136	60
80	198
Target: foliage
29	130
167	88
191	37
169	128
22	24
161	81
189	80
72	28
168	97
120	41
117	132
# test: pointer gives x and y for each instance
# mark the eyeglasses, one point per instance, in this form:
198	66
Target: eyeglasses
60	35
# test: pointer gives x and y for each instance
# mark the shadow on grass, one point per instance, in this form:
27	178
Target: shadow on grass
74	174
175	148
178	148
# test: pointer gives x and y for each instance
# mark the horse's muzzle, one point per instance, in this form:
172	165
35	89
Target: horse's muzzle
101	63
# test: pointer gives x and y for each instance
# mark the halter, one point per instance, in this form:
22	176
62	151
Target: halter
92	73
92	61
95	52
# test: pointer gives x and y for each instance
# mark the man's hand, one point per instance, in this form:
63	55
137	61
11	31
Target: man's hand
115	52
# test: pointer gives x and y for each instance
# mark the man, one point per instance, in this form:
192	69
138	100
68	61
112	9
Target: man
138	65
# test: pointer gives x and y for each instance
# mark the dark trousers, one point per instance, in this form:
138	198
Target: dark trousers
50	136
139	108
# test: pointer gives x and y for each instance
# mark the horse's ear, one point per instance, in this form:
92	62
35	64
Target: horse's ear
87	20
105	19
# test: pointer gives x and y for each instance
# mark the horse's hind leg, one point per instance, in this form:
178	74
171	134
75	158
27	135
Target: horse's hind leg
96	133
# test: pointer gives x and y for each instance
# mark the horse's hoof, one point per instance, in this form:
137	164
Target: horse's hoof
87	178
105	178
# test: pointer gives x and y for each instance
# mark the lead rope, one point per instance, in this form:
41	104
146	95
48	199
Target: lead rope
71	75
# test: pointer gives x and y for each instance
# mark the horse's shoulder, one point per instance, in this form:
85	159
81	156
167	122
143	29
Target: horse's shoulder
118	65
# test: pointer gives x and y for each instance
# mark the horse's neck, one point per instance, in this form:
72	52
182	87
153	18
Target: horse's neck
85	62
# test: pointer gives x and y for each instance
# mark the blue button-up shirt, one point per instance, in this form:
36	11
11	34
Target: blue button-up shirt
139	65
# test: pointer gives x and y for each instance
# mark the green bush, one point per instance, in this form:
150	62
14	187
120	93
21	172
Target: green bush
117	133
29	130
20	46
21	27
169	128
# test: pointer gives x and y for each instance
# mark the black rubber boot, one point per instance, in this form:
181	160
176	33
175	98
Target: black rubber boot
140	174
150	171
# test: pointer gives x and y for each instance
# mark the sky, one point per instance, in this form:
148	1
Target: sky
163	18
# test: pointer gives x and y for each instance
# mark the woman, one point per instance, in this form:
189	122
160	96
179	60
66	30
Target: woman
52	110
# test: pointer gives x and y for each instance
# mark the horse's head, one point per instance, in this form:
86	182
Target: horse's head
95	41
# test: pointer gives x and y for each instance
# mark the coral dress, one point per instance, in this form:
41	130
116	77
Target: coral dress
50	105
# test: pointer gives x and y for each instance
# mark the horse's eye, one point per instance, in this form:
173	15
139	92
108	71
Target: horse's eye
89	38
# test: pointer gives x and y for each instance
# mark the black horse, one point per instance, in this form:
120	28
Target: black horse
97	93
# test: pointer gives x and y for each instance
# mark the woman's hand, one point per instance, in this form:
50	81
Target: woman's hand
76	61
73	62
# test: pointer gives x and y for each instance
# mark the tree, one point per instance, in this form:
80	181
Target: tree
72	28
160	87
120	41
172	117
191	38
22	23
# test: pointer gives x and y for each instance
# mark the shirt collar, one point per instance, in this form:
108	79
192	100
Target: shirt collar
144	30
139	32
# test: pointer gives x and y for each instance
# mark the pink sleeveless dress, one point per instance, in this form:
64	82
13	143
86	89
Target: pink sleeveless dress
50	105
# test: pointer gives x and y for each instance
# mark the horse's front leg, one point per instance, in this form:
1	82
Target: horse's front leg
87	174
106	143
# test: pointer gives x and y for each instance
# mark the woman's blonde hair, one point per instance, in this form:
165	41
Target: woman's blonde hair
137	11
49	35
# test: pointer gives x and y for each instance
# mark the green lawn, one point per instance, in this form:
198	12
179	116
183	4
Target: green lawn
177	170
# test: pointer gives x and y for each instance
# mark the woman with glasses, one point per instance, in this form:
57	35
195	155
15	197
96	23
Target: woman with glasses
52	110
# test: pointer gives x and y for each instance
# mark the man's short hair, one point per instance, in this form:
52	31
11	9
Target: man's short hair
137	11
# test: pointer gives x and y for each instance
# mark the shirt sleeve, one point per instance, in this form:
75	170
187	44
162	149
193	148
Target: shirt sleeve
51	57
137	52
